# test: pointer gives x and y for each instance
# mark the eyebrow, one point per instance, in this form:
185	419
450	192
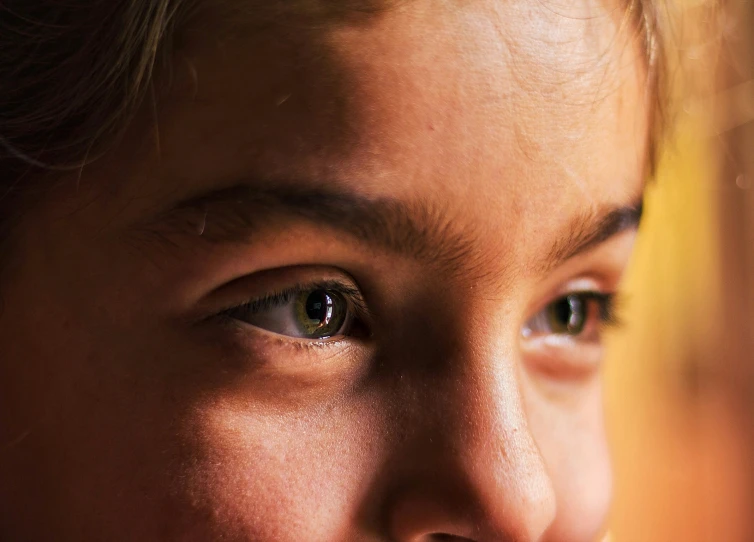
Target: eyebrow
409	228
592	228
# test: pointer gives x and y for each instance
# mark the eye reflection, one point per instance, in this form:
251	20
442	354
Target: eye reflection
320	313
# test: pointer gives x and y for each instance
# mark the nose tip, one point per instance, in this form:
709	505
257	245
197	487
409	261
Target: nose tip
427	519
529	507
500	494
516	499
476	472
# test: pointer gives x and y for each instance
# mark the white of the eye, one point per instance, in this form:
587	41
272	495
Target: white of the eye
536	324
280	319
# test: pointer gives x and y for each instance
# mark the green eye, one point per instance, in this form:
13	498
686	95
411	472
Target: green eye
320	313
567	315
314	312
579	315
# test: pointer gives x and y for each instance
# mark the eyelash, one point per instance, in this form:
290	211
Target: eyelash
609	305
281	297
589	326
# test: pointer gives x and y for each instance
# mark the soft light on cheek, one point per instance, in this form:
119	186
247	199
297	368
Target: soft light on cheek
584	499
568	427
280	476
279	373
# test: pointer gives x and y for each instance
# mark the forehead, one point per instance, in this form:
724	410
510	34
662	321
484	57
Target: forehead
516	107
530	95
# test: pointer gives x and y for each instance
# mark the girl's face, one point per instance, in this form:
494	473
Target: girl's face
345	282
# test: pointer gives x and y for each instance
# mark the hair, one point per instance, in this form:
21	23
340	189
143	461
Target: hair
74	73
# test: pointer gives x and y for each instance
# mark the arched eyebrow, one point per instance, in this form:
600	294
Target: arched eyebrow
590	229
409	228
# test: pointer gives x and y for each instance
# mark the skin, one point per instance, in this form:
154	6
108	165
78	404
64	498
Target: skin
128	411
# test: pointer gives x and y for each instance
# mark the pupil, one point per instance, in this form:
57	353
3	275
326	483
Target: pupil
567	315
319	306
562	311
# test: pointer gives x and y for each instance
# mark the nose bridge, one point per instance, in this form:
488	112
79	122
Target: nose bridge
483	454
497	452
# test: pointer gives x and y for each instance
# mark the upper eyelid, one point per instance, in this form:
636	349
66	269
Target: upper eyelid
285	295
564	291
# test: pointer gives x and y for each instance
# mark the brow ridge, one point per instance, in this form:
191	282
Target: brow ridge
415	229
592	228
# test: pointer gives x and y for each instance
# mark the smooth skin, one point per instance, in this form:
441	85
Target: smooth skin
458	166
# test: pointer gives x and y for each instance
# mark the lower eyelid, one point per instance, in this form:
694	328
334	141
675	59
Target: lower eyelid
249	333
281	369
315	361
562	357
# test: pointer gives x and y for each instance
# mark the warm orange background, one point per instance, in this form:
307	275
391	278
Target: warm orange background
679	439
676	441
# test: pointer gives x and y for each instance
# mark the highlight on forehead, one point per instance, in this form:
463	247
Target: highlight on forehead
639	19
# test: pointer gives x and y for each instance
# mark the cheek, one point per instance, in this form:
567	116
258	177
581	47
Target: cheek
569	430
280	476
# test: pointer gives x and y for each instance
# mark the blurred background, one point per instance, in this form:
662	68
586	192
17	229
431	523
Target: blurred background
680	375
